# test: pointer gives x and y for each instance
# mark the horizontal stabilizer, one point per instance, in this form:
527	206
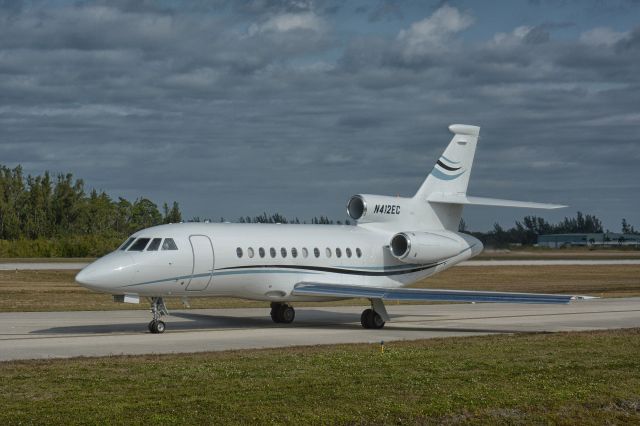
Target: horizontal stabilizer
440	197
422	295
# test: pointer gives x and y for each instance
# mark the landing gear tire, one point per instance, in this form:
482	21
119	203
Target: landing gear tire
371	319
158	308
156	327
282	313
287	314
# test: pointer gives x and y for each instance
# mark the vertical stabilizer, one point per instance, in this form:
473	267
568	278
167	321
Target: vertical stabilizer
450	176
451	173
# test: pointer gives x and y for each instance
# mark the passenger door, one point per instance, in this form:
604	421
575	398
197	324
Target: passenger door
203	261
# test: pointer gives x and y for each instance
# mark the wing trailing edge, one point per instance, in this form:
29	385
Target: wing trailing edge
424	295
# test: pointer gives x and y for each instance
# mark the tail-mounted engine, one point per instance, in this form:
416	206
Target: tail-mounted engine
377	208
427	247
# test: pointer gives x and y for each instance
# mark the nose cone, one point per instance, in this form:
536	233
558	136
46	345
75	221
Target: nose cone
112	271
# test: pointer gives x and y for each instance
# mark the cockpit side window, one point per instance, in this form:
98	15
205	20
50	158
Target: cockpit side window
169	244
127	243
155	244
140	244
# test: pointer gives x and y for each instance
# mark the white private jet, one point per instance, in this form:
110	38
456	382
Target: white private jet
397	242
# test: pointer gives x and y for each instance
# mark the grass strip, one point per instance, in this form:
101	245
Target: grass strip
22	291
563	378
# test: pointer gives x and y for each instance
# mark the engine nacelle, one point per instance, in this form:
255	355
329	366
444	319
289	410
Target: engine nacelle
367	208
427	247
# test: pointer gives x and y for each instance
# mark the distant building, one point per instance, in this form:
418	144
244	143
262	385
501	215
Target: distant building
601	239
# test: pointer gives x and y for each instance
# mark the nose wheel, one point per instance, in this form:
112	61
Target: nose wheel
282	313
156	326
158	309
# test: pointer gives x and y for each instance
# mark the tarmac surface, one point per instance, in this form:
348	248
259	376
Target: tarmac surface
41	266
32	335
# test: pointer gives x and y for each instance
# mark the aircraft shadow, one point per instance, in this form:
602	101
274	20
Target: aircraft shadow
307	318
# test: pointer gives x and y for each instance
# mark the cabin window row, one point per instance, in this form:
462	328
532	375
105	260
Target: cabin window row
151	244
261	252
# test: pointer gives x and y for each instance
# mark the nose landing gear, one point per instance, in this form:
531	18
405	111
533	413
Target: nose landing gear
282	313
158	309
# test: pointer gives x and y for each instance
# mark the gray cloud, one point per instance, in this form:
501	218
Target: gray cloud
233	108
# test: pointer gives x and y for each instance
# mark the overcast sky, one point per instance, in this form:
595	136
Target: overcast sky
238	107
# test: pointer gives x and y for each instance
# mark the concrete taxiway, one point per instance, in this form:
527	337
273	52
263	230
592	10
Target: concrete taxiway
42	266
31	335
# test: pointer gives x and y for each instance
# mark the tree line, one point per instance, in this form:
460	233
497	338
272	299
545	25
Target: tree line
526	232
278	218
48	215
55	216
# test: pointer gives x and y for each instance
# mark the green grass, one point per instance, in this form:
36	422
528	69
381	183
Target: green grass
564	378
56	290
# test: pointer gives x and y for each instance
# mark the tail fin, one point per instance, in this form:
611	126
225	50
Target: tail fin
451	173
444	192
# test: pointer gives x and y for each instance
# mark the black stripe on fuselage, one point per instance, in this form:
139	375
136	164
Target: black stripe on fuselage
444	166
338	270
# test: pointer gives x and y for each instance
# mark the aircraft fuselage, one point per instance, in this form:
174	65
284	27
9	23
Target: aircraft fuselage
259	261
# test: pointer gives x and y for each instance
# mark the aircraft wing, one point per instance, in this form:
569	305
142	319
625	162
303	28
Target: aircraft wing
419	294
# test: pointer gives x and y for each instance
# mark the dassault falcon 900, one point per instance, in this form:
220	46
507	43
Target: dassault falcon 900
397	241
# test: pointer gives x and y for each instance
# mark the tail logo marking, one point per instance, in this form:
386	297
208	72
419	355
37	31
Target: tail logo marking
444	166
441	168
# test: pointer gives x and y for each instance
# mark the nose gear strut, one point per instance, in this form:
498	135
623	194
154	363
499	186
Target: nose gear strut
158	309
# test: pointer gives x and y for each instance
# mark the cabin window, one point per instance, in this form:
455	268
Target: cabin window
140	244
127	243
294	252
272	252
338	252
348	251
261	252
328	251
239	252
305	252
169	244
155	244
316	252
358	252
283	252
250	252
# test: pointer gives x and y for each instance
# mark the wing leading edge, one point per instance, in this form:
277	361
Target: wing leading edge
437	295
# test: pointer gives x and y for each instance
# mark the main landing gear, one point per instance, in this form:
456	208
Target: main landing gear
376	316
282	313
371	319
158	309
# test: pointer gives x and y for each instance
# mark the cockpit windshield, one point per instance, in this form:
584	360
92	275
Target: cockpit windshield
155	244
169	244
140	244
127	243
133	244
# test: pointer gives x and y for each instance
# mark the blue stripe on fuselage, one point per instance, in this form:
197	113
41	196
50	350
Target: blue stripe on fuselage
293	269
